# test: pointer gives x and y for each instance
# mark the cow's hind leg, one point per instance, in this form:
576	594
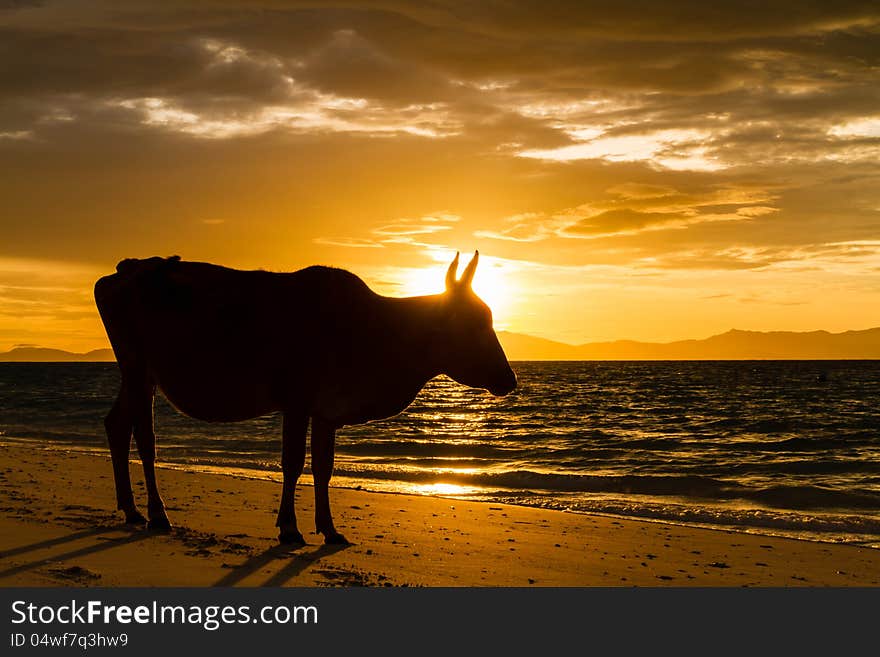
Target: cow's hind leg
118	424
293	458
323	444
144	436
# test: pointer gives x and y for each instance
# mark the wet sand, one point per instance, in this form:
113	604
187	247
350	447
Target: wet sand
58	527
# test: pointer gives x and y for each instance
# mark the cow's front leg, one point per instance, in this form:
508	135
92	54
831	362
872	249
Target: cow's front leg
323	443
293	458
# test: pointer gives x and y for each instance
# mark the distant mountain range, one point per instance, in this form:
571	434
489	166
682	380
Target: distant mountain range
43	355
733	345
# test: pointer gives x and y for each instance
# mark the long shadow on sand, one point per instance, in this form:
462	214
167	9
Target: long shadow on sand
57	541
91	549
298	562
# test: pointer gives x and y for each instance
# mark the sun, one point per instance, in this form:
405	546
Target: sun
491	286
490	283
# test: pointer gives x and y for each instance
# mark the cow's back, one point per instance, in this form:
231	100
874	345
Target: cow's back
226	344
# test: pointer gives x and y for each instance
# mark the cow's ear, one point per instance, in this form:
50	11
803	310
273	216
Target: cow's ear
450	274
468	276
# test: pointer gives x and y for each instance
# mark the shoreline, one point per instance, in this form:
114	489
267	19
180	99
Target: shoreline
366	485
59	527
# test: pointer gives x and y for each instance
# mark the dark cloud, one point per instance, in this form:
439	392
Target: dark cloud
687	20
734	119
351	66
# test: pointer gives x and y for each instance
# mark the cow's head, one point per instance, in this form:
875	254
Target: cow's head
472	354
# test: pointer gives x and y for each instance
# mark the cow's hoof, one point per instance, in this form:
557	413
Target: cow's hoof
291	538
159	525
135	518
336	538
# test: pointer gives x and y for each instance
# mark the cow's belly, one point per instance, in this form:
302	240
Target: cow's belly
220	395
221	376
219	404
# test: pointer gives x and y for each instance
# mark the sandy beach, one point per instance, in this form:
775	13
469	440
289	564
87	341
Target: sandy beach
58	527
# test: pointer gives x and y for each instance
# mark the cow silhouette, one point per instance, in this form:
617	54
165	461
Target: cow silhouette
317	345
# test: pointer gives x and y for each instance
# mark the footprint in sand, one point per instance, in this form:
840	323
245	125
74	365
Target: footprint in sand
76	574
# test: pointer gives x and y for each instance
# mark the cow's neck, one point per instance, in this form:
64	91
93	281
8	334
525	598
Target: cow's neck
414	322
398	359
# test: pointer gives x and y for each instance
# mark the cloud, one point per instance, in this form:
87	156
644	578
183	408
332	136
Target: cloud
857	128
430	223
402	231
17	134
397	230
633	190
216	69
353	66
843	258
633	208
671	149
38	293
526	227
348	242
624	220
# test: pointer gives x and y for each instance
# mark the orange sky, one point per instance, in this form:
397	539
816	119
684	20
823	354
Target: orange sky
645	170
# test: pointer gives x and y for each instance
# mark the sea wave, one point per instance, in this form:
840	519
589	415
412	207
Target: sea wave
823	526
790	497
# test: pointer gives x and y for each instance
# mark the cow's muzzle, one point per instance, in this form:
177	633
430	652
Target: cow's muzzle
504	387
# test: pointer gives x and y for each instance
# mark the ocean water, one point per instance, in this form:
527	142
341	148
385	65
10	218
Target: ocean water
779	447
